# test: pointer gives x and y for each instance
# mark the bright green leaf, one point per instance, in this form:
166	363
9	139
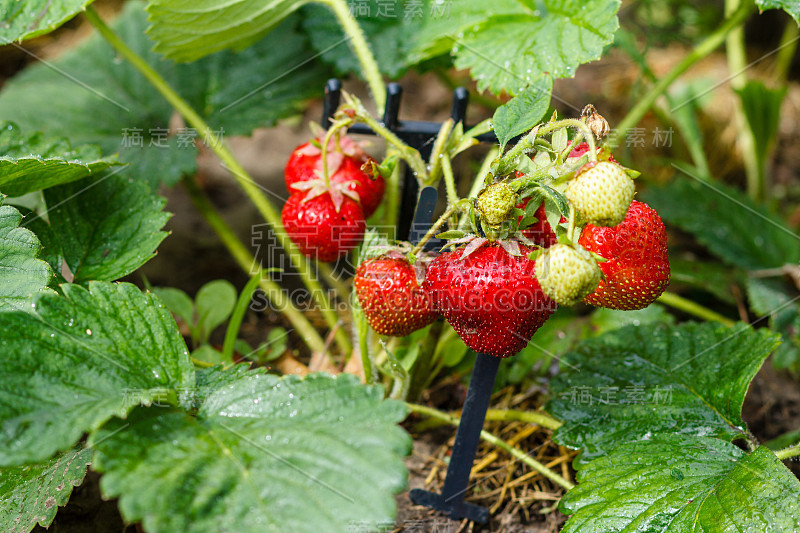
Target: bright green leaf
214	303
50	251
735	229
108	226
523	112
790	6
116	108
24	20
262	454
774	299
32	163
762	110
636	382
517	42
207	354
388	25
177	301
81	359
605	320
21	273
681	484
186	30
31	494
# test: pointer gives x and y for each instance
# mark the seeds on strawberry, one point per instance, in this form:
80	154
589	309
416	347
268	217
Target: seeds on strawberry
567	273
491	298
601	193
495	203
319	230
637	270
391	297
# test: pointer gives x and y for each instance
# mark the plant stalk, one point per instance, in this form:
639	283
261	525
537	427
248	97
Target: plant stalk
495	441
246	261
247	184
360	47
708	45
687	306
786	453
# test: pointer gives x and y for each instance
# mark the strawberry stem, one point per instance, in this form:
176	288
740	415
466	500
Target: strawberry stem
245	181
496	441
687	306
461	204
437	154
786	453
335	128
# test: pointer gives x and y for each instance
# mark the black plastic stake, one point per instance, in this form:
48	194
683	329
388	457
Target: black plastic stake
416	214
451	500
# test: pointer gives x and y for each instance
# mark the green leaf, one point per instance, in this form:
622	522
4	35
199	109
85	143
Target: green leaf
177	301
635	382
772	298
790	6
711	277
681	484
115	107
762	110
32	163
31	494
262	454
21	273
186	30
523	112
518	41
388	25
724	219
208	354
50	251
605	320
214	302
23	20
81	359
108	226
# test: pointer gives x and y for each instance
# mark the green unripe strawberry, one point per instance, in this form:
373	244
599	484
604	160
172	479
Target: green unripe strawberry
601	193
495	203
567	274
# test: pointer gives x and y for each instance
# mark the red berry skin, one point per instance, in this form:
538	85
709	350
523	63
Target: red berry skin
582	148
540	232
343	168
393	302
492	299
318	230
637	270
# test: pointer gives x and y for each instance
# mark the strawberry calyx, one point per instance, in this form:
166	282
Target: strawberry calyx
318	187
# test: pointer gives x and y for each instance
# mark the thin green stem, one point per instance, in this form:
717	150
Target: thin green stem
687	306
436	226
247	262
235	322
407	153
495	441
531	417
786	50
391	204
360	47
424	362
449	180
506	163
708	45
332	130
250	188
737	65
786	453
438	152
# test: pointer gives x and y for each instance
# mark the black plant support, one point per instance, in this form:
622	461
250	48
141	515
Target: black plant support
416	217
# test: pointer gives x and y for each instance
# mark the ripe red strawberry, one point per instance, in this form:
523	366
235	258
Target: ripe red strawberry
349	166
389	291
637	270
491	298
583	147
320	230
540	232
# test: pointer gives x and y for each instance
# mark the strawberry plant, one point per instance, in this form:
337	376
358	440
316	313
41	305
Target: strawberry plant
190	428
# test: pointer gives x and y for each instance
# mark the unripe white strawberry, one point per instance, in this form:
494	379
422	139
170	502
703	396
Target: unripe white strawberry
496	202
567	274
601	194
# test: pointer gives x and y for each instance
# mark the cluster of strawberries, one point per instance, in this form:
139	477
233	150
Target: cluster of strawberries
496	293
326	216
